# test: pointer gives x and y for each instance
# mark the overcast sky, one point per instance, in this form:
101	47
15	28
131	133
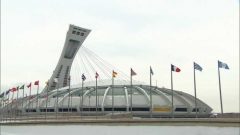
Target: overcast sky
128	33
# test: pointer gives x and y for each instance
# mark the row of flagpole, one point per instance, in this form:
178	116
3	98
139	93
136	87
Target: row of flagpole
195	67
114	74
15	100
173	69
16	89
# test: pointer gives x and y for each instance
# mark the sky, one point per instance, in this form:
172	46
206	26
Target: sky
128	34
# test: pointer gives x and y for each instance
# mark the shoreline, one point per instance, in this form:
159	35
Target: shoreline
215	122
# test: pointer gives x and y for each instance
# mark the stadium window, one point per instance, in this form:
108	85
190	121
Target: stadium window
107	109
73	32
50	110
140	109
195	109
181	110
42	110
120	109
74	110
78	33
82	34
92	109
85	109
31	110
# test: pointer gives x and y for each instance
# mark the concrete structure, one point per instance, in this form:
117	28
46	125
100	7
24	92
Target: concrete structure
74	39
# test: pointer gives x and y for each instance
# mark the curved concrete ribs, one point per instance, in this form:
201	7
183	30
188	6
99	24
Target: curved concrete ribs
74	39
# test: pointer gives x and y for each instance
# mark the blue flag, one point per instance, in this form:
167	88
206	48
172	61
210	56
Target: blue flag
222	65
151	71
197	67
83	77
7	92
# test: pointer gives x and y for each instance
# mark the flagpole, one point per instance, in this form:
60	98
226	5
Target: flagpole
12	104
29	99
195	91
37	98
150	93
8	104
32	100
23	98
4	104
46	101
219	80
81	109
71	101
112	95
172	92
96	98
57	102
131	92
16	112
69	80
1	108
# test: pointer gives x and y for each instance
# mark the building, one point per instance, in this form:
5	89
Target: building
60	97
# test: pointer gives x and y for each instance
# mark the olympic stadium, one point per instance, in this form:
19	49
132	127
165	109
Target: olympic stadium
138	99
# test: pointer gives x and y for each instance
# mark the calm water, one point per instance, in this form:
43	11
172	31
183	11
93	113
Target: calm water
117	130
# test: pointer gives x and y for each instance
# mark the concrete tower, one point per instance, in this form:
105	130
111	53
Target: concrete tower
74	39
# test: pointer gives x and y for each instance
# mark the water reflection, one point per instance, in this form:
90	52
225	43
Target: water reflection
117	130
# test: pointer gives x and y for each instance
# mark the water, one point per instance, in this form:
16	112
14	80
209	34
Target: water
117	130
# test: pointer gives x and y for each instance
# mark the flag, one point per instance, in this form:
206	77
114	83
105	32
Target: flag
7	92
151	71
222	65
55	80
2	95
13	89
197	67
114	74
83	77
96	75
36	83
133	73
175	69
22	87
29	85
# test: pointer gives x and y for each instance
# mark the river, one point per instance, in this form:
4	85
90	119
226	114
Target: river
117	130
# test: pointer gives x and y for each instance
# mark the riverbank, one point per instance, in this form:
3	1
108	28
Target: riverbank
232	122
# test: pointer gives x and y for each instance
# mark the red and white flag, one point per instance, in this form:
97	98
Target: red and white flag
36	83
175	69
13	89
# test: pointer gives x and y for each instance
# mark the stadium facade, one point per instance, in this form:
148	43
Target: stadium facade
59	97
